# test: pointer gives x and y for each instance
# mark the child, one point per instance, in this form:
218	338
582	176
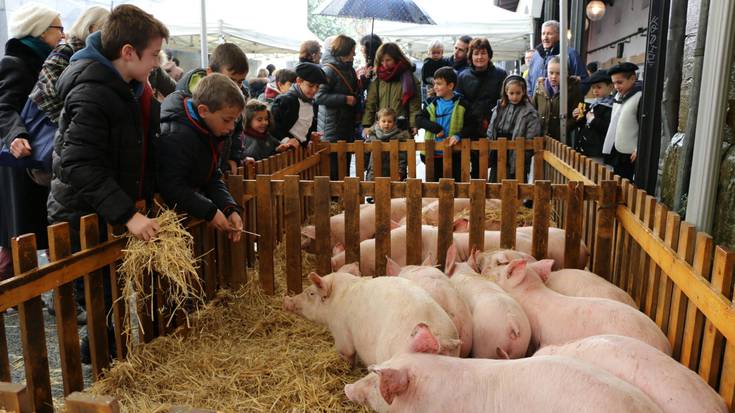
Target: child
434	61
294	112
621	140
513	117
229	60
595	121
445	119
283	79
384	130
258	143
186	153
546	99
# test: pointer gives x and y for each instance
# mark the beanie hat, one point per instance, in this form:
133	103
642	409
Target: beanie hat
31	20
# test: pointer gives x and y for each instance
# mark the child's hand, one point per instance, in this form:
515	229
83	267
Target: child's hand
440	134
576	113
283	147
142	227
453	141
634	155
315	137
414	131
350	100
236	227
366	132
220	223
293	142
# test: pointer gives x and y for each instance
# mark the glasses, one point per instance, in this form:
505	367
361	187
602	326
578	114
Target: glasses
61	28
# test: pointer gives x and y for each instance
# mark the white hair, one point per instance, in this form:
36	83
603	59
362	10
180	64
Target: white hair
94	16
551	23
436	44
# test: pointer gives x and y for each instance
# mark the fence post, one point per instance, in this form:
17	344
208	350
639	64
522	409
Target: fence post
14	398
605	225
324	159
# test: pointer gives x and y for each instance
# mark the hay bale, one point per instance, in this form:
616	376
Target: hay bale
242	354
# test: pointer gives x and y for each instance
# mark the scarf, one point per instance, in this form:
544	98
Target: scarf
399	71
38	46
385	135
250	132
551	90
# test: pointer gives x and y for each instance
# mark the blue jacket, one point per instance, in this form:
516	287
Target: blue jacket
540	60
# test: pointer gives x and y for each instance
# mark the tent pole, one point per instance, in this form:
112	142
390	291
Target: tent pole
563	60
203	35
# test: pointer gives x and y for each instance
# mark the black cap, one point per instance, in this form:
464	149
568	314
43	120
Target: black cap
311	73
599	76
625	67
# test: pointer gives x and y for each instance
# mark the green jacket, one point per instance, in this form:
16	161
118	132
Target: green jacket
548	107
459	122
382	94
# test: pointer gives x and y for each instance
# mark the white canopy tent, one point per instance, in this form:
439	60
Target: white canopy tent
508	32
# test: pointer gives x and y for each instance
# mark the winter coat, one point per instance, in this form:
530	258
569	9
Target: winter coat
382	94
186	162
540	61
548	106
232	146
103	160
591	134
481	89
257	86
285	110
44	93
336	118
514	121
22	203
460	122
259	148
376	134
460	66
429	68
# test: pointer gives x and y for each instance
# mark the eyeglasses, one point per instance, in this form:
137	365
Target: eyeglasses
61	28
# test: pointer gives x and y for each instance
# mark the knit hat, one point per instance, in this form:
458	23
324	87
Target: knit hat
311	73
31	20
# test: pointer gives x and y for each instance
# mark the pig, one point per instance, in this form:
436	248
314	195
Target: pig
569	281
432	383
675	388
434	282
500	328
374	318
367	224
430	211
557	319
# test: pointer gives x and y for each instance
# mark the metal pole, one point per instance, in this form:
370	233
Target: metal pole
563	60
3	27
712	104
203	35
649	131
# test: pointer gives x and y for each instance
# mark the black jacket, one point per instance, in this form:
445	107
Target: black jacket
429	68
102	161
259	148
482	91
232	147
186	162
591	135
337	119
19	70
285	110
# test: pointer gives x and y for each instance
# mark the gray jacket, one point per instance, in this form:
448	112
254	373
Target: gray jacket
514	121
336	118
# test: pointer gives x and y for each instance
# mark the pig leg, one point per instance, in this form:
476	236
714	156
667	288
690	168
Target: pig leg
346	348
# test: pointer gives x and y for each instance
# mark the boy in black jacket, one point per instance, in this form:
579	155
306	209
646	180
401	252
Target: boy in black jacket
294	112
595	121
187	154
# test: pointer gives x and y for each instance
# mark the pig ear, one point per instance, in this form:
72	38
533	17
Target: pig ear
542	268
422	341
393	382
516	269
394	224
449	263
309	231
429	261
351	268
320	283
461	225
392	268
338	247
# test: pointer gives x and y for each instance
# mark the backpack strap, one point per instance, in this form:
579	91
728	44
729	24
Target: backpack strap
341	76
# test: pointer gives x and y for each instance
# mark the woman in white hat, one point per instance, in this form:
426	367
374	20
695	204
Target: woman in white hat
35	30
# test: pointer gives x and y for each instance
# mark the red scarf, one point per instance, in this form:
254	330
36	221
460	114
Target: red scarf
399	71
255	134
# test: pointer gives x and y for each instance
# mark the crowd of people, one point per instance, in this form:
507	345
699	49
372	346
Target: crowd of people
121	121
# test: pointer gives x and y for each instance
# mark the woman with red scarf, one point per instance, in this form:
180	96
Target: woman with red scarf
396	88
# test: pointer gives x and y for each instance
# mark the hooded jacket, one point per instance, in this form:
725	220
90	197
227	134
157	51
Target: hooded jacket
336	118
540	61
187	155
102	160
481	90
548	106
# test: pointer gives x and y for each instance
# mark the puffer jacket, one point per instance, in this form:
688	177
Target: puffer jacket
548	106
103	160
481	90
336	118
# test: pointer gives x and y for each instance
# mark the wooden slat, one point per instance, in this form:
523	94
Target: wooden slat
604	232
413	222
351	203
502	159
565	169
573	228
628	248
727	381
266	243
713	344
360	160
429	165
342	160
649	212
694	324
509	209
14	398
382	224
484	152
477	214
636	255
59	240
520	164
465	145
32	333
394	170
411	157
322	198
237	249
677	313
121	328
671	239
88	403
93	286
377	152
446	214
447	160
292	206
541	218
654	278
538	159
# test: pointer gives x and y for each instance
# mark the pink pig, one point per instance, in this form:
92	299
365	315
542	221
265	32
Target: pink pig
675	388
434	282
569	281
374	318
500	328
429	383
557	318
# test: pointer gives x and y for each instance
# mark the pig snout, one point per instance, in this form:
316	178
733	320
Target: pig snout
289	304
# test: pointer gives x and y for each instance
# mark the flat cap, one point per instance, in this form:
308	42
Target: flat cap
625	67
311	73
598	77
